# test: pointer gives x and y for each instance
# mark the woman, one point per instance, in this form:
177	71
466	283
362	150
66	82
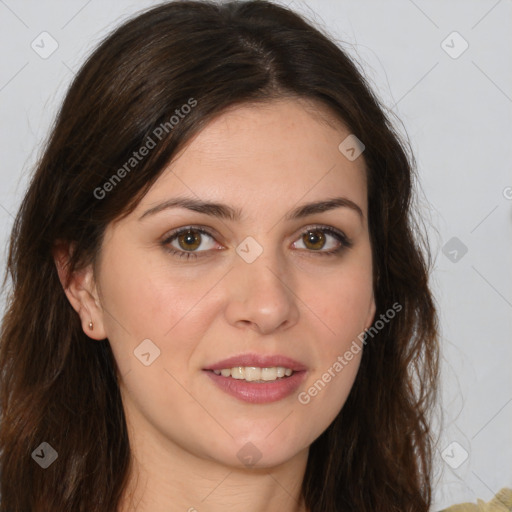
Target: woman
218	298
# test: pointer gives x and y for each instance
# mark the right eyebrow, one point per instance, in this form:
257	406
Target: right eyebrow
214	209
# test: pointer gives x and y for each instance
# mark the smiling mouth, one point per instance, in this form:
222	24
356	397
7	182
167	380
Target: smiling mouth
248	384
255	373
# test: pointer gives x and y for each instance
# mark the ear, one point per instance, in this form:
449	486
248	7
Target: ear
371	313
81	291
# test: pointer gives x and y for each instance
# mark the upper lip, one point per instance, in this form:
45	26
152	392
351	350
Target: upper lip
258	360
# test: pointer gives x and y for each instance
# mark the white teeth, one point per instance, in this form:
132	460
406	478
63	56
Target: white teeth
269	373
237	372
252	373
255	373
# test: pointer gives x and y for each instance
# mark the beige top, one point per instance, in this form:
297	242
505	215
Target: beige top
502	502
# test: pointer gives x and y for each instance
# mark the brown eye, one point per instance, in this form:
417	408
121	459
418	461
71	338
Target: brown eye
314	239
189	240
323	241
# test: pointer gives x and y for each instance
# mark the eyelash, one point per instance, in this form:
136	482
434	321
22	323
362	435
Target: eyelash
345	242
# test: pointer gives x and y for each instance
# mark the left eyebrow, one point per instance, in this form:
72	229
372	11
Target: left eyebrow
323	206
226	212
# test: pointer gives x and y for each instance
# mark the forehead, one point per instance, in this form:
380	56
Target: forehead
270	154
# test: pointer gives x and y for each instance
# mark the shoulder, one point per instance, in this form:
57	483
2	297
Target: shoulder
502	502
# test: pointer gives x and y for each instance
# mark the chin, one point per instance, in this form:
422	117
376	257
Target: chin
260	452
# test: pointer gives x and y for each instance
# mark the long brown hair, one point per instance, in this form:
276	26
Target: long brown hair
60	387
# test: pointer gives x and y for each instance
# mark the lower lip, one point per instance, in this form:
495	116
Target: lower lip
258	392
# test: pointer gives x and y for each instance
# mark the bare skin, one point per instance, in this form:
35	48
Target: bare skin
185	432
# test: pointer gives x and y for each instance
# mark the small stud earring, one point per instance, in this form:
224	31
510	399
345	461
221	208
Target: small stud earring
91	326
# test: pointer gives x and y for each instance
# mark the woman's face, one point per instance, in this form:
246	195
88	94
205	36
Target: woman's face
252	284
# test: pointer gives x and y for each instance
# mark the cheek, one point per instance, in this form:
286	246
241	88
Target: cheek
147	294
325	393
343	310
342	305
147	301
342	301
143	299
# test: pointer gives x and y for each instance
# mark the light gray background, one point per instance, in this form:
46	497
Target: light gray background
457	113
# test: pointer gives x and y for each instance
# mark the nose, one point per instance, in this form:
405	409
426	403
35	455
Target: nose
261	295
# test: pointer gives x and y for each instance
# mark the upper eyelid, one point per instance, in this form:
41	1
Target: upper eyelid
202	229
